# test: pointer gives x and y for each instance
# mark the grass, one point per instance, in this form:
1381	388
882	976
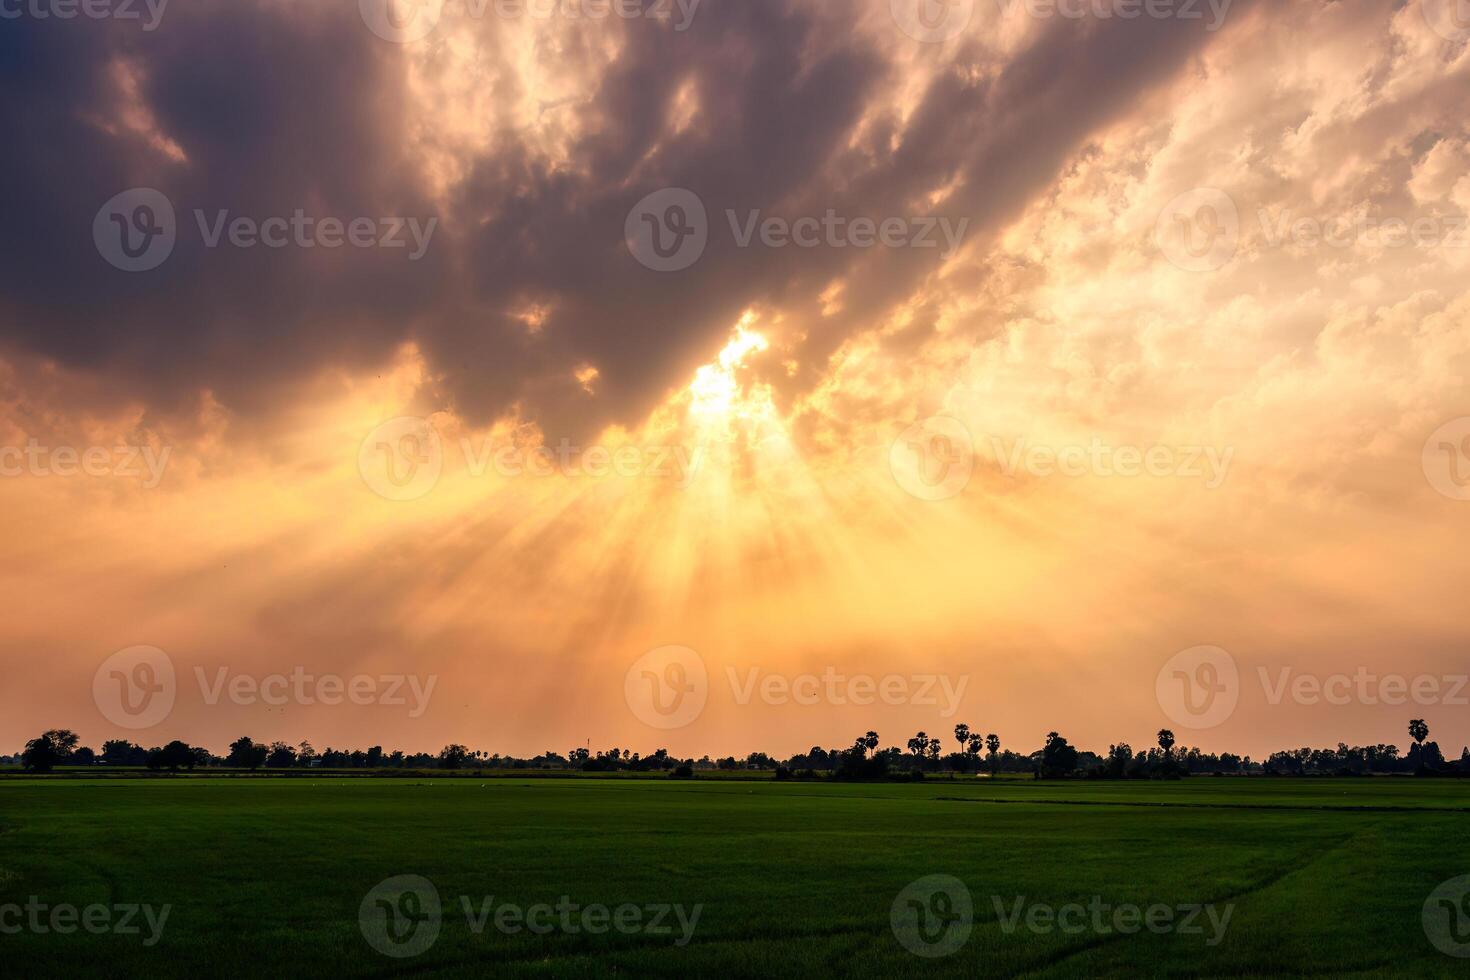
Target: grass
267	875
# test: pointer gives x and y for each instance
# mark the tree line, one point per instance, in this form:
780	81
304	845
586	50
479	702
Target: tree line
864	759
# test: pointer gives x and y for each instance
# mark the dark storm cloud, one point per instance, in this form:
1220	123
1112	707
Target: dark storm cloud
279	107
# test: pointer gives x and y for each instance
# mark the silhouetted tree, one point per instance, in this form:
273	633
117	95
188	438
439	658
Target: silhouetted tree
42	754
173	756
870	741
992	745
962	735
121	752
1058	758
281	756
1120	756
1166	742
65	740
453	756
1418	731
245	754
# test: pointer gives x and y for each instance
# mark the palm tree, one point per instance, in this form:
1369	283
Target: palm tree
934	749
962	735
919	744
870	741
1166	741
992	745
1418	731
974	745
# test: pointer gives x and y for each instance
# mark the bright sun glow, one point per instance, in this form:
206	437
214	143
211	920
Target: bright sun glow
716	388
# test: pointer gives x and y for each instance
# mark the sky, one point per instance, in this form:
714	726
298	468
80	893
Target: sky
729	376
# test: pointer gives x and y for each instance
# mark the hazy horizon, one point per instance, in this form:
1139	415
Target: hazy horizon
1017	354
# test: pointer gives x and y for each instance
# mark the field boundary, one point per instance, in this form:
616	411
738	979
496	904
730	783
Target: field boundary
1169	804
